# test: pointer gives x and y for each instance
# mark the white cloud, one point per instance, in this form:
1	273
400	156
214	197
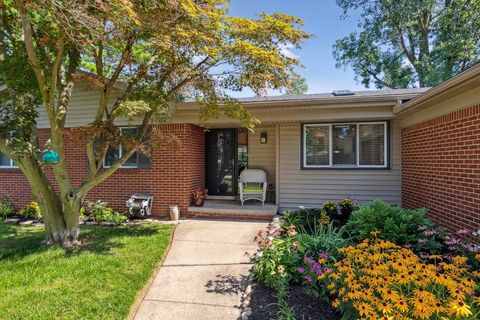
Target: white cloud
285	50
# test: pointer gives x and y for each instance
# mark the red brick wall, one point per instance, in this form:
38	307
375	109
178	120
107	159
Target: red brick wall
441	168
174	173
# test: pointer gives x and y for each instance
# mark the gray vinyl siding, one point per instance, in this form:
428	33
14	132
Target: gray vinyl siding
82	109
312	187
262	156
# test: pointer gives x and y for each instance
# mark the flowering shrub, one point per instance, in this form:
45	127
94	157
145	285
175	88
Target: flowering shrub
378	279
314	272
330	208
100	211
30	211
282	250
277	256
437	240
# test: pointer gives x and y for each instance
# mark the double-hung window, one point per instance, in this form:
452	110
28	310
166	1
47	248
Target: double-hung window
136	160
345	145
6	161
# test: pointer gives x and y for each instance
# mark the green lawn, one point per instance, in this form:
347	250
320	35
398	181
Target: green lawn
99	280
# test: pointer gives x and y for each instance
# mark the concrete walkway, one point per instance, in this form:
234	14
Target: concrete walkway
203	274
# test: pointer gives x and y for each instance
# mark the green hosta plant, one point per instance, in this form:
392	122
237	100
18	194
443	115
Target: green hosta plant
7	208
398	225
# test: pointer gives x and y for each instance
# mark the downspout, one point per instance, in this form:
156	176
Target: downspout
277	164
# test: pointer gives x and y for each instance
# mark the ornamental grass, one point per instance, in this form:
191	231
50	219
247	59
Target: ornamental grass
377	279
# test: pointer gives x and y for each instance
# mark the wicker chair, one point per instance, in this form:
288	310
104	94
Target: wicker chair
253	185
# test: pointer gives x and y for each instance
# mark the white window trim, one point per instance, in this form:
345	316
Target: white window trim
330	145
11	166
120	154
330	157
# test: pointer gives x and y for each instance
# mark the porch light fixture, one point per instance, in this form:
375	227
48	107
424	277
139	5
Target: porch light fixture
263	138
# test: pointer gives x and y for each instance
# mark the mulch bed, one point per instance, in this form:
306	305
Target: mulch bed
263	304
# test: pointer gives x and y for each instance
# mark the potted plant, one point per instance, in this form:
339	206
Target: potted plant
346	208
199	196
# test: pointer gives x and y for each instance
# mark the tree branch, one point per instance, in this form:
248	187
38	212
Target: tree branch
90	182
67	83
56	66
32	57
375	76
187	79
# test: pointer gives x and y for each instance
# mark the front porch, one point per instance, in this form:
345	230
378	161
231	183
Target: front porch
233	209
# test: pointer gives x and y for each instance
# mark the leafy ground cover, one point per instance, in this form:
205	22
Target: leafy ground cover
376	261
98	280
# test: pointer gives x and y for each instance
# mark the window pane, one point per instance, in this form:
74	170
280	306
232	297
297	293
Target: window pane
4	160
316	145
372	144
132	161
129	132
111	156
344	145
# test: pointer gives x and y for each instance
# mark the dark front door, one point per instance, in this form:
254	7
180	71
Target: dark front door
220	145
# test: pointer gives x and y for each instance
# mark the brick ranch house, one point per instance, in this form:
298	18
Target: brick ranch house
409	147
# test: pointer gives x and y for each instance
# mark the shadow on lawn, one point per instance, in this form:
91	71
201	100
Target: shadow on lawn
18	242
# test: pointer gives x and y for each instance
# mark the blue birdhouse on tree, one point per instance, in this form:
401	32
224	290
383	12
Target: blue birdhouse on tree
51	157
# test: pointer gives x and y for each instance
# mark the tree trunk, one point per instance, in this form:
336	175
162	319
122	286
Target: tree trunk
61	219
60	213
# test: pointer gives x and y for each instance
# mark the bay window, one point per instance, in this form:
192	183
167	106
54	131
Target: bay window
345	145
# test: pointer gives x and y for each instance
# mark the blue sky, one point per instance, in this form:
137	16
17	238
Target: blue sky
322	18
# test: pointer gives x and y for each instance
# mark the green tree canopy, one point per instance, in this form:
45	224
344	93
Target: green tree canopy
408	43
150	53
298	86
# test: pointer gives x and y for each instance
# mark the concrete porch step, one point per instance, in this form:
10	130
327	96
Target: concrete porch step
228	208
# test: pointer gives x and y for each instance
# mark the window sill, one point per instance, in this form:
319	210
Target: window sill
346	168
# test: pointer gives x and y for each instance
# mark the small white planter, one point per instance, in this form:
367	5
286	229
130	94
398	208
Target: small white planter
174	212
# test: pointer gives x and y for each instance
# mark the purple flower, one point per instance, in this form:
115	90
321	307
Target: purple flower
430	232
462	232
470	247
424	255
308	278
422	240
323	255
300	270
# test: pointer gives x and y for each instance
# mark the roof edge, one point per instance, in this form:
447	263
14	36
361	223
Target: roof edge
391	98
455	82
